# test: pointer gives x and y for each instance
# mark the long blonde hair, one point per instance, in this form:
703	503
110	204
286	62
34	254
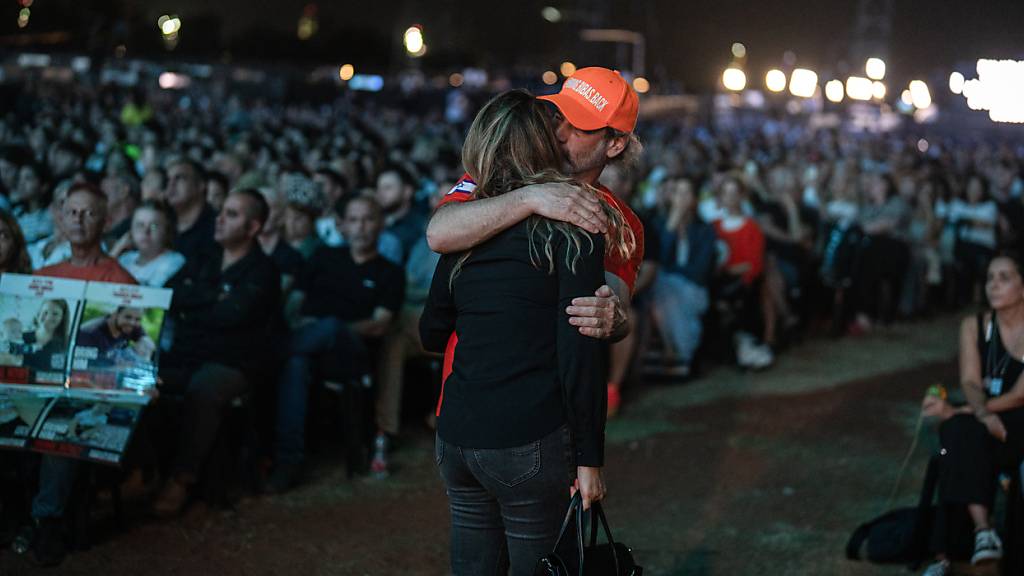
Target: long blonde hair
512	144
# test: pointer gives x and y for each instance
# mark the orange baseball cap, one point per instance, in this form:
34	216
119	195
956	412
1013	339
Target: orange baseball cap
594	98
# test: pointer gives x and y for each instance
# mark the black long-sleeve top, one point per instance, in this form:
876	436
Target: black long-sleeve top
520	369
225	315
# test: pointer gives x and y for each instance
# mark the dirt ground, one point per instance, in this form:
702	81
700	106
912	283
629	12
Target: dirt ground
732	474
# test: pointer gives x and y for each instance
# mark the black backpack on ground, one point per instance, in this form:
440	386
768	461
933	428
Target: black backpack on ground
900	536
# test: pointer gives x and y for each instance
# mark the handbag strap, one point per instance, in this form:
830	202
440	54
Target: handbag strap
597	511
575	506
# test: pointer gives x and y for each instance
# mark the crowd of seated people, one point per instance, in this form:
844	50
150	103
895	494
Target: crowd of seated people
293	237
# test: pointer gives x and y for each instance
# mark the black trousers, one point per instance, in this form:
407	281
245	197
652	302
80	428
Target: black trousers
969	465
207	391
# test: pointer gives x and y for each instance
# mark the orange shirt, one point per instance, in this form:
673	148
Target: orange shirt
106	269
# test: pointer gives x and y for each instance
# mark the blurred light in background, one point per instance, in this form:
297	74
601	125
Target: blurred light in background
922	145
920	95
803	83
549	77
567	68
367	82
456	80
998	89
858	88
308	23
169	25
878	90
739	50
23	15
734	79
875	68
173	81
906	98
775	80
551	14
956	83
834	90
414	43
641	85
346	72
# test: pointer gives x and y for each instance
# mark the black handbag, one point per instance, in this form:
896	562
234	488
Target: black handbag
611	559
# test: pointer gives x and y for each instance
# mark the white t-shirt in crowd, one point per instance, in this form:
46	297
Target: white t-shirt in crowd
978	221
157	271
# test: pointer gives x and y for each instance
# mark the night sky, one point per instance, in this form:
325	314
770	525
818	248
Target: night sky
688	40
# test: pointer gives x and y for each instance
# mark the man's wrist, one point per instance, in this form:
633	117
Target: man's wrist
527	199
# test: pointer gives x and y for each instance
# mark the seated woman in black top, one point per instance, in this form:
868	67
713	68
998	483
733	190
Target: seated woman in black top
523	411
987	435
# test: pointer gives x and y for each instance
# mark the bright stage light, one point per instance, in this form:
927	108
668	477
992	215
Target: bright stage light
858	88
775	80
875	68
734	79
834	91
803	83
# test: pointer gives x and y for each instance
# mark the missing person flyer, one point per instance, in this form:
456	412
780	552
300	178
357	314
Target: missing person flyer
20	410
37	319
115	344
85	428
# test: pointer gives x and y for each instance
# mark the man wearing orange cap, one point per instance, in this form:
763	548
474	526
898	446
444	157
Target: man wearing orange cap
596	112
594	122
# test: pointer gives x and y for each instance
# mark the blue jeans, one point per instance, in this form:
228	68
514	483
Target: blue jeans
56	479
507	504
329	343
680	304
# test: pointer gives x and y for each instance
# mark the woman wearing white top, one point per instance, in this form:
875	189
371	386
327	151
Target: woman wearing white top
976	220
152	262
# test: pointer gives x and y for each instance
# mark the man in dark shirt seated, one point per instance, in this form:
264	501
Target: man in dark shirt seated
186	194
349	296
222	310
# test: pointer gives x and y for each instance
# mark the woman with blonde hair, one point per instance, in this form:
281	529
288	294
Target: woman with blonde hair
521	419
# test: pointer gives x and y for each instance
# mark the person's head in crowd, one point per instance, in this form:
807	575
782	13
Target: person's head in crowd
276	211
154	184
83	214
153	229
731	194
186	185
782	181
1004	175
907	187
331	183
230	166
51	321
125	322
241	219
117	163
216	189
304	204
66	158
976	188
13	254
1004	286
395	190
122	192
881	187
11	159
598	129
361	220
31	190
680	197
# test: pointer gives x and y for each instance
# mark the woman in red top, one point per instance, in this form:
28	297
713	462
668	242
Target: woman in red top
745	263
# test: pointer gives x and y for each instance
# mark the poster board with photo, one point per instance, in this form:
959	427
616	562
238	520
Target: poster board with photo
78	364
37	321
115	344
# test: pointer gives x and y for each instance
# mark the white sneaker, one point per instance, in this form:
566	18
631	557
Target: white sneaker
987	547
940	568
